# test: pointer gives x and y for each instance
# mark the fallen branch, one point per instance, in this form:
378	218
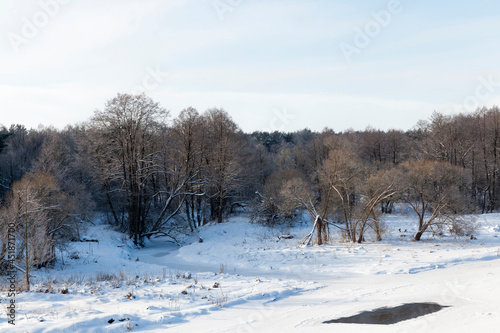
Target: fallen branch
158	234
307	239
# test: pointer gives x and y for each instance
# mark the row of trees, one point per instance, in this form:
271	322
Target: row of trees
131	163
344	191
151	175
150	172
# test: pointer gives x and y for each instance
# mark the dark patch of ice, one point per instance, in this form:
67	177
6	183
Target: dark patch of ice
387	316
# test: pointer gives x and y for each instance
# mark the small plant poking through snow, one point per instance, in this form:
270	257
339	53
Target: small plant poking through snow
130	295
220	300
173	304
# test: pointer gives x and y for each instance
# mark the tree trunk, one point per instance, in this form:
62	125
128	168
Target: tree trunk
199	217
319	225
221	205
113	212
188	215
27	256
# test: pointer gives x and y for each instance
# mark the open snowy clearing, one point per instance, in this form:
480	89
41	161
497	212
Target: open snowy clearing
244	278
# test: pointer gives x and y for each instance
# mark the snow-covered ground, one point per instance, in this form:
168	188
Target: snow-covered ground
244	278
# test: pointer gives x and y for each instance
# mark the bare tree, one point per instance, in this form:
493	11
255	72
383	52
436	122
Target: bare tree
433	191
373	191
279	201
354	191
223	159
186	152
126	145
489	133
298	193
41	215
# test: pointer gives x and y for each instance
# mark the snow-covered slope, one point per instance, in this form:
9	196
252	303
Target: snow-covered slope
246	278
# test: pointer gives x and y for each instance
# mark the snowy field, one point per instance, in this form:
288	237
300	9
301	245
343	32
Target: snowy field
246	278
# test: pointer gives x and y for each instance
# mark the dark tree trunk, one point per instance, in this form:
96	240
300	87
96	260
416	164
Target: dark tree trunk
319	226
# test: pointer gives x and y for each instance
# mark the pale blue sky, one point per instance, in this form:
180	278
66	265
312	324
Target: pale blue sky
273	65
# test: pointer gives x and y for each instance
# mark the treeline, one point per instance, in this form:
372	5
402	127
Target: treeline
151	175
